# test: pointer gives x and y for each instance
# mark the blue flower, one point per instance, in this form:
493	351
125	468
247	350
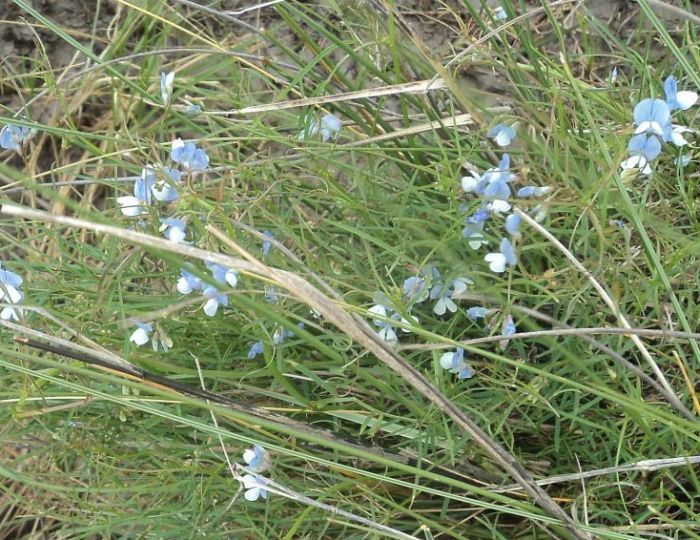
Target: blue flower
192	109
254	486
478	217
474	235
188	155
508	329
223	274
612	79
271	295
214	300
10	293
533	191
256	349
512	224
500	13
164	190
144	185
674	134
188	282
477	312
683	161
678	100
136	205
444	293
141	335
13	137
266	244
643	149
454	362
257	459
651	115
174	229
498	206
9	279
166	86
493	184
415	289
502	134
329	127
283	333
498	262
386	327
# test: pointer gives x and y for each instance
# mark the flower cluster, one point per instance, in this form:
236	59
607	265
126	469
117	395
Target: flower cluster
257	460
494	188
161	183
10	293
652	118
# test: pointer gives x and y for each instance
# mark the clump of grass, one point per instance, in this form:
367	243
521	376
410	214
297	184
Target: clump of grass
365	438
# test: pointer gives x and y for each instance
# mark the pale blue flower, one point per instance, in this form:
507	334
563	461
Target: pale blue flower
539	212
188	155
533	191
683	160
10	293
505	258
223	274
9	279
256	349
188	282
415	289
455	363
651	116
257	459
678	100
192	109
214	300
13	137
498	206
502	134
254	486
493	183
271	295
283	333
643	149
144	185
507	329
386	327
330	127
165	190
173	229
474	234
142	334
166	86
444	294
266	244
513	224
477	312
674	134
479	217
500	14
